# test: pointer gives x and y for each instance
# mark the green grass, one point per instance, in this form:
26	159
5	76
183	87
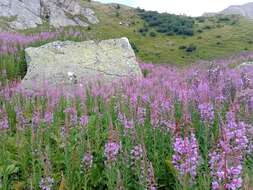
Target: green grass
219	41
225	38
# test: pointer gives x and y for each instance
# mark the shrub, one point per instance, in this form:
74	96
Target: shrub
117	6
134	46
152	34
182	47
207	27
191	48
168	23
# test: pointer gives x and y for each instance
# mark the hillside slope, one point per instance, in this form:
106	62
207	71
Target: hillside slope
213	37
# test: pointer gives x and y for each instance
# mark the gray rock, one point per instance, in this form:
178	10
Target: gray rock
31	13
67	63
246	64
245	10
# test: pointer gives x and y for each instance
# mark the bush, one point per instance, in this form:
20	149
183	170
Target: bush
117	6
168	23
207	27
135	48
182	47
152	34
191	48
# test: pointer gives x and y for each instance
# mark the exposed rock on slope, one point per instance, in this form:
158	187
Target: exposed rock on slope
245	10
24	14
68	63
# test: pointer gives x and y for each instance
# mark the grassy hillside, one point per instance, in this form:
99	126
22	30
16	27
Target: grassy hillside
214	37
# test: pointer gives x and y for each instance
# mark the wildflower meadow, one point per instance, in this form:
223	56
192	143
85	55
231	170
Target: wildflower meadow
174	129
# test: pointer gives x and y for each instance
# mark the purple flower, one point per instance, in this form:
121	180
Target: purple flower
48	118
46	183
136	153
72	113
151	177
112	149
84	120
227	159
20	117
36	118
206	111
186	156
87	160
128	124
4	124
141	114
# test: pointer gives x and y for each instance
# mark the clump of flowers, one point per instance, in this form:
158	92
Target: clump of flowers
112	149
48	117
136	153
206	111
128	124
141	114
186	156
87	160
227	159
20	117
84	120
4	124
46	183
72	114
36	118
151	177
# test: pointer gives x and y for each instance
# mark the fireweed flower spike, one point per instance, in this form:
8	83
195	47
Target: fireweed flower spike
46	183
87	160
226	161
186	156
112	149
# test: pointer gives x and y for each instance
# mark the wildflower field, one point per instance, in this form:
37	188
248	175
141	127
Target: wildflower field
175	129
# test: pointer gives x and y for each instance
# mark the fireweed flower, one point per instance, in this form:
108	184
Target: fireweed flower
36	118
87	161
20	117
72	113
206	111
141	114
46	183
148	174
151	177
112	149
4	124
128	124
84	120
186	156
48	117
227	159
136	154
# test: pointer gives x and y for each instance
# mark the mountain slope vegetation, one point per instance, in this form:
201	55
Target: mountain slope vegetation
166	38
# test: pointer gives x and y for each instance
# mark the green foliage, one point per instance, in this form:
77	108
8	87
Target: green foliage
168	23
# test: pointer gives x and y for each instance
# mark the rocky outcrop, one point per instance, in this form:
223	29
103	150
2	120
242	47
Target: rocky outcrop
24	14
68	63
245	10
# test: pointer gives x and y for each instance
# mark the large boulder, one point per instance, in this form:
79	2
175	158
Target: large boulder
58	13
68	63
